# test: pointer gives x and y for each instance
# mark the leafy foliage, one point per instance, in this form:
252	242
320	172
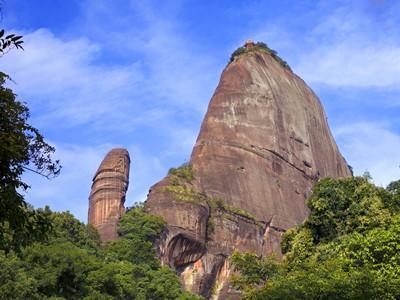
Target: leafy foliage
254	270
34	226
259	46
394	187
7	42
70	264
138	231
22	147
348	248
66	228
185	172
339	207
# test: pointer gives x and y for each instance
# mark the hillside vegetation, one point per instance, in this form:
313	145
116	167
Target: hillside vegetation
348	248
70	264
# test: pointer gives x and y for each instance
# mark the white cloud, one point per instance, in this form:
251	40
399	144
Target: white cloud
340	44
64	81
69	88
372	147
164	82
178	70
348	63
347	47
70	190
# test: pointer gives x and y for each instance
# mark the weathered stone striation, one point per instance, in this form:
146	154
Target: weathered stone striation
107	197
263	144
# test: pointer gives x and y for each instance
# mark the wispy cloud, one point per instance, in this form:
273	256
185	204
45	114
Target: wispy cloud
339	43
133	74
350	47
351	64
176	69
63	80
70	190
71	85
372	147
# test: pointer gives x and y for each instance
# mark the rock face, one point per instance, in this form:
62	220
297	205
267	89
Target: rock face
263	143
107	197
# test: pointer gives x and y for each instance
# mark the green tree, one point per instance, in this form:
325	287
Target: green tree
15	282
65	227
22	147
342	206
137	233
35	227
70	264
394	187
60	269
348	248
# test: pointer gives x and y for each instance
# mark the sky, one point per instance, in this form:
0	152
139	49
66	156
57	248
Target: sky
99	74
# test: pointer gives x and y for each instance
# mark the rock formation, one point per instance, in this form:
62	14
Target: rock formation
107	197
263	143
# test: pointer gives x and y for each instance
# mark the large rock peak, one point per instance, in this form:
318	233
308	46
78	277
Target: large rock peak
263	143
107	197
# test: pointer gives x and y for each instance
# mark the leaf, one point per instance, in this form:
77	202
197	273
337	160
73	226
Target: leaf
1	32
16	38
9	36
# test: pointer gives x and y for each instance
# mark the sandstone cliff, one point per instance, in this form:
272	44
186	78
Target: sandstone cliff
107	197
262	145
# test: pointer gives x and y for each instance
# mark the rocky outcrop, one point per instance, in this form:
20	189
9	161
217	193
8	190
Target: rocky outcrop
107	197
263	143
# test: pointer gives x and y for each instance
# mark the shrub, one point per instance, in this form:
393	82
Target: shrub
260	46
185	172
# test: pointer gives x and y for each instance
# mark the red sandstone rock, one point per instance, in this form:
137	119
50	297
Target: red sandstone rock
263	144
107	197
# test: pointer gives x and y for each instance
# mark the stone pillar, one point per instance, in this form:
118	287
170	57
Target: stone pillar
107	197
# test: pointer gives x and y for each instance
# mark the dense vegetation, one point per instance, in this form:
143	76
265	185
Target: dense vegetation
70	264
259	46
348	248
22	148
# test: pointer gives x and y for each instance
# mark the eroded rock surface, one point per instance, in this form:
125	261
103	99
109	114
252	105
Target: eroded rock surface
107	197
263	143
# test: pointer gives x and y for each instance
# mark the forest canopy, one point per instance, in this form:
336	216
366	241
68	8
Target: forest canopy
71	264
348	248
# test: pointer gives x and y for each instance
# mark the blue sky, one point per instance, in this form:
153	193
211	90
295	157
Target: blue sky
99	74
